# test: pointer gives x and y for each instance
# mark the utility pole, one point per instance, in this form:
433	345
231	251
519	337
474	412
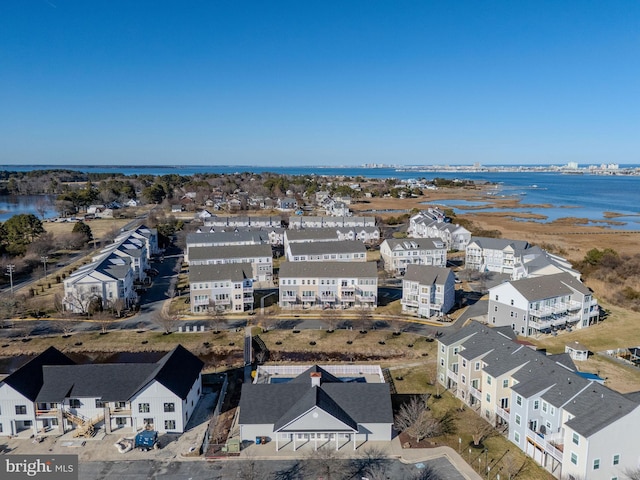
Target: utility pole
10	269
44	259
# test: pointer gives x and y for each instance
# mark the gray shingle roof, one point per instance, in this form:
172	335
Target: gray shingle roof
314	397
328	269
500	243
234	272
177	371
277	403
549	286
415	243
327	234
319	248
597	407
241	236
28	379
427	274
229	251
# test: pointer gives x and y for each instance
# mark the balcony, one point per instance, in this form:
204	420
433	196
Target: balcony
475	392
120	412
289	298
347	288
409	302
52	412
223	301
545	443
366	299
452	375
503	413
328	298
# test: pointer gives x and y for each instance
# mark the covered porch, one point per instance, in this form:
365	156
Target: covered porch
315	440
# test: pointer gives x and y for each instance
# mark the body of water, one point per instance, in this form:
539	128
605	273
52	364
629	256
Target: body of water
11	205
582	196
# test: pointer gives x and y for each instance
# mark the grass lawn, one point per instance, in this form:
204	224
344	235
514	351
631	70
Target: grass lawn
99	227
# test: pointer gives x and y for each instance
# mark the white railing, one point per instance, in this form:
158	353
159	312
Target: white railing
475	392
540	440
337	370
452	375
503	413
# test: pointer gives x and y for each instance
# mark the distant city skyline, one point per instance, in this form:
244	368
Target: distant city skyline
319	83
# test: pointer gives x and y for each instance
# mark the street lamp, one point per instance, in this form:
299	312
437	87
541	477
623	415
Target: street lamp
10	268
44	259
459	444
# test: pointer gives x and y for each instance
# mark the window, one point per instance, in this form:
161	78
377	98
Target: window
121	405
0	428
169	407
518	419
488	398
488	379
464	379
169	424
464	363
99	403
477	366
121	421
616	459
552	410
21	409
545	407
143	408
516	437
536	404
576	438
74	403
505	383
511	302
596	464
574	458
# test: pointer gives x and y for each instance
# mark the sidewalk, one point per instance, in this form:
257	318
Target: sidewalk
392	449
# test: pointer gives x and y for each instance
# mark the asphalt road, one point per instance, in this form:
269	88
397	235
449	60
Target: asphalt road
248	469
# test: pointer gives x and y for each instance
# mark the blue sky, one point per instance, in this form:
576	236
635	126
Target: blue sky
319	82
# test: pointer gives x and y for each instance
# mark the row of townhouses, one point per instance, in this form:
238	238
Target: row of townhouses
112	274
573	426
432	223
397	254
52	395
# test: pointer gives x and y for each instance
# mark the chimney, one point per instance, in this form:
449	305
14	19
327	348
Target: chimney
315	379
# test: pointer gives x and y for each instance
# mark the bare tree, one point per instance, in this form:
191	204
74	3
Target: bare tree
364	319
372	463
416	420
165	321
42	205
78	302
481	430
632	473
330	316
105	320
118	306
326	462
216	315
66	326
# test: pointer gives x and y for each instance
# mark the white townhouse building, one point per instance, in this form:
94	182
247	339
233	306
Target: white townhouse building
419	221
453	235
336	208
317	406
536	262
310	235
494	254
108	279
51	394
428	291
298	222
259	256
133	248
340	251
243	221
222	238
367	235
539	304
572	426
228	287
398	253
328	285
149	236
